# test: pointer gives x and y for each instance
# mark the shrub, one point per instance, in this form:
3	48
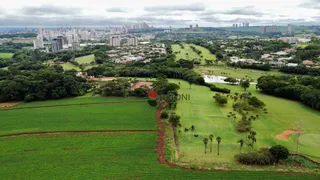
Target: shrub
164	115
261	157
139	92
220	99
217	89
152	102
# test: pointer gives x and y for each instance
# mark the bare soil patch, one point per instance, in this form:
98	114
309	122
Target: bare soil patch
141	84
8	104
285	134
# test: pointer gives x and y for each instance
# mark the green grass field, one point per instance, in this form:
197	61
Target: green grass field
210	118
135	115
69	66
6	55
85	59
101	156
111	155
189	54
235	73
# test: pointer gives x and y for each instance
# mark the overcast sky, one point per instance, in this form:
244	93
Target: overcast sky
165	13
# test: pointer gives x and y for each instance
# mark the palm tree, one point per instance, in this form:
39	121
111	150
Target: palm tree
218	140
210	137
185	131
192	128
241	141
205	141
252	136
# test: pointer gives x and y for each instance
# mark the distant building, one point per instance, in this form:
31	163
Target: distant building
236	25
57	44
191	26
132	41
307	62
289	30
115	40
197	26
292	64
263	29
38	42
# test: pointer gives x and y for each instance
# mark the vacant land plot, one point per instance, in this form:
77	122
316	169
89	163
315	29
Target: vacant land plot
210	118
85	59
80	114
188	54
101	156
6	55
69	66
235	73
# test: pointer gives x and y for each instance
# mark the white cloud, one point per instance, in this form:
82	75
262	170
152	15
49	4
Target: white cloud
161	13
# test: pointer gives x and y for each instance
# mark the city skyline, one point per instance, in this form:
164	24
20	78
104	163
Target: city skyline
159	14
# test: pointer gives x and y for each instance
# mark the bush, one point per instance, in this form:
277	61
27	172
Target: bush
139	92
222	100
261	157
279	152
217	89
152	102
164	115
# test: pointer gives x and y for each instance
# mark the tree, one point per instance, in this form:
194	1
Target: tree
185	131
231	80
174	120
211	138
245	84
205	141
252	137
241	141
218	140
192	128
220	99
190	83
279	152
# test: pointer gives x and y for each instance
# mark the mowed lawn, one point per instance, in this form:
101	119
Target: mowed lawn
69	66
188	54
101	156
235	73
85	59
106	116
6	55
210	118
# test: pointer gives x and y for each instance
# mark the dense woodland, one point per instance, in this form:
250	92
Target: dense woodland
42	84
305	89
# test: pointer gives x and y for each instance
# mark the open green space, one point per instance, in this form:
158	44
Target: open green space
101	156
188	54
79	116
303	45
85	59
6	55
210	118
235	73
69	66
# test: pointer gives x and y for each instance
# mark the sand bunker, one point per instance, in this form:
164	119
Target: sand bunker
285	134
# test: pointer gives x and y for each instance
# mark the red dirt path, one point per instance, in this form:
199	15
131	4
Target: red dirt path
161	136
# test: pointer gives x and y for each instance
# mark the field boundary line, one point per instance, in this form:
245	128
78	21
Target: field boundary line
75	132
80	104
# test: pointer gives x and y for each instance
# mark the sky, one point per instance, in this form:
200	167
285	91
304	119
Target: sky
164	13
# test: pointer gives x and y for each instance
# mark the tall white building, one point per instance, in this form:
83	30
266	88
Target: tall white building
132	41
289	29
38	42
115	40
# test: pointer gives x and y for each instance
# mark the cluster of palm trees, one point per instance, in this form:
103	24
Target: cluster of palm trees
192	129
206	140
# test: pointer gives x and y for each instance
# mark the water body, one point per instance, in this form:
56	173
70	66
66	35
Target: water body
218	79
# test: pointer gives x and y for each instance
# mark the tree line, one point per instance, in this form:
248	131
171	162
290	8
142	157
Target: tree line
42	84
304	89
